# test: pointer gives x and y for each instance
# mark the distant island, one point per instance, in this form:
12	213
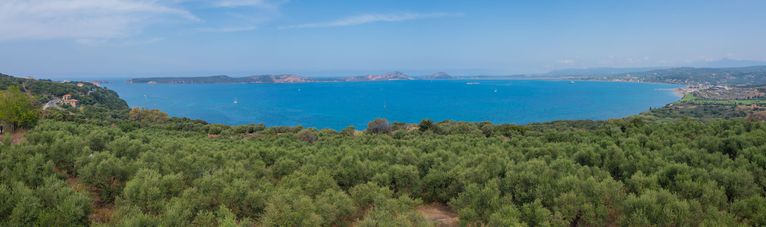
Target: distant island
286	78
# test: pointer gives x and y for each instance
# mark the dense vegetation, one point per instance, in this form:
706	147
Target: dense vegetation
626	172
46	90
143	168
16	109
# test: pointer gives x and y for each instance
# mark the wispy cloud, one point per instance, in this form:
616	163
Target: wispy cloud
81	19
371	18
567	61
241	15
227	29
118	42
266	4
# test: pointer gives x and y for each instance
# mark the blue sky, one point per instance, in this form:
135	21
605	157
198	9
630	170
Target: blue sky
50	38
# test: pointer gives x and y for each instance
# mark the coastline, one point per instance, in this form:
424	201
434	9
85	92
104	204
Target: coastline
680	92
236	112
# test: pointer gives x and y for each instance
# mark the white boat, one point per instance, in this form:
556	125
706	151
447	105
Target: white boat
471	83
236	101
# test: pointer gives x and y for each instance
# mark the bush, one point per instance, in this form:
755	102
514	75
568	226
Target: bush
379	126
148	116
426	125
307	135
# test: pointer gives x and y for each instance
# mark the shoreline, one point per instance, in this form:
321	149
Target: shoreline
654	91
680	92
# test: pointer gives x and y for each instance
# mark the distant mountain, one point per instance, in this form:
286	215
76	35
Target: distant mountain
604	71
738	76
283	78
182	80
438	76
726	63
372	77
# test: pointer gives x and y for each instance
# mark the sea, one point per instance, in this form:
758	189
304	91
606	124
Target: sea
337	105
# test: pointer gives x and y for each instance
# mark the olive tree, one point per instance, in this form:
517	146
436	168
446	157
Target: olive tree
16	109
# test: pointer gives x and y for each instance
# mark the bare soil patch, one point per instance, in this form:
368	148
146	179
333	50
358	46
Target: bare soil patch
102	211
18	136
440	214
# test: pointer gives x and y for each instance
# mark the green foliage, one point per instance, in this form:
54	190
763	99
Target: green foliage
31	194
633	172
46	90
290	208
508	215
478	203
16	109
147	116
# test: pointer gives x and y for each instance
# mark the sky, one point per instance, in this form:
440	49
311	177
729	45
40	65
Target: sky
132	38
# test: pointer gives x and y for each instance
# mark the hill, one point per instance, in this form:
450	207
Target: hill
88	94
438	76
606	71
740	76
726	63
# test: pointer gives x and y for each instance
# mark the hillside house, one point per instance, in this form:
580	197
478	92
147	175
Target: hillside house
69	100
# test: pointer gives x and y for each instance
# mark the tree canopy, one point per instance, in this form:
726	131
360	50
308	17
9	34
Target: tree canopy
16	109
620	172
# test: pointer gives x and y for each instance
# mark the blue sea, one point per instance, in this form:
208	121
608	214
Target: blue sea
338	105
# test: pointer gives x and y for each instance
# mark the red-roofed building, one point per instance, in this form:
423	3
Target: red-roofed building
69	100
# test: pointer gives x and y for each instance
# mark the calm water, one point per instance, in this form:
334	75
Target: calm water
337	105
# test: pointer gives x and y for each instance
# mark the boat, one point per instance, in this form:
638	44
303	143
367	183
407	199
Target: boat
236	101
571	81
471	83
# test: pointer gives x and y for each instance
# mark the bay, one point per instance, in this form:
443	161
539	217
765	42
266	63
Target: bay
342	104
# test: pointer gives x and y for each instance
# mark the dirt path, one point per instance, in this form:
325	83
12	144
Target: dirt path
440	214
102	212
18	136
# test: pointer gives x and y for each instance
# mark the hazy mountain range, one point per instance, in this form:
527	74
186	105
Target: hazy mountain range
604	71
723	71
284	78
738	76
